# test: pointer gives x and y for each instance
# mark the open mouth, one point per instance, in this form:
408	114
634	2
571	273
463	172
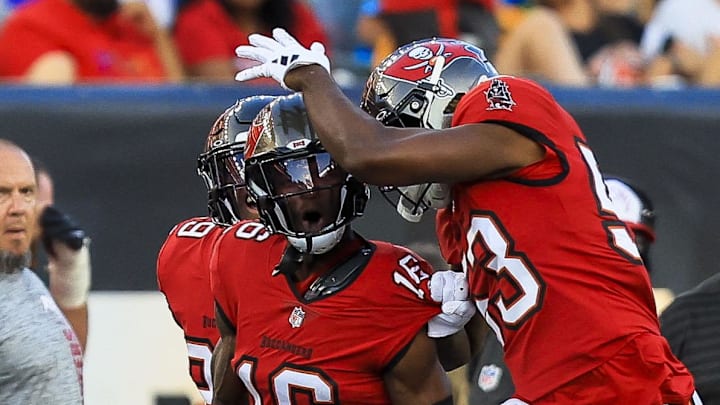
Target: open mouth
312	221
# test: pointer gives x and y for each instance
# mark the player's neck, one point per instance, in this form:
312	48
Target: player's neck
314	266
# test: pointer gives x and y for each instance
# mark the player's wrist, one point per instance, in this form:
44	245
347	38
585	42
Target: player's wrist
453	318
299	77
70	274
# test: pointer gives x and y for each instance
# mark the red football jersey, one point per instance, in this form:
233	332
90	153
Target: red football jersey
113	50
332	349
546	257
183	272
221	34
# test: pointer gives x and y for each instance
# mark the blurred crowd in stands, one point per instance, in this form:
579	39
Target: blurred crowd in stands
607	43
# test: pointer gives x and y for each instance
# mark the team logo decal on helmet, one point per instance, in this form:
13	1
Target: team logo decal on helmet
421	83
498	96
407	67
257	128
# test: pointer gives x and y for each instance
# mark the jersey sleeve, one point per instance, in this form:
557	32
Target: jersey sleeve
527	108
405	301
16	58
182	268
449	234
194	48
506	99
411	277
162	259
162	270
186	245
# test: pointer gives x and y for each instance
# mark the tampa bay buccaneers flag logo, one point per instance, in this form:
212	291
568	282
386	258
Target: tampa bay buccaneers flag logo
256	131
418	62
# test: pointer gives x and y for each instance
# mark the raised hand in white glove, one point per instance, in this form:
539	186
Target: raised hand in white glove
278	55
451	289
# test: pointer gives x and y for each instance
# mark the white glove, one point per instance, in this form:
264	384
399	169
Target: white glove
69	271
451	289
278	55
415	199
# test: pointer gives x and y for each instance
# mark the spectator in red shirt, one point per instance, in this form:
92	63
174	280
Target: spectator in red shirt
88	41
208	31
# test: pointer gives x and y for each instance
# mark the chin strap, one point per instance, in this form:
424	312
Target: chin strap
318	244
341	276
288	263
416	199
336	279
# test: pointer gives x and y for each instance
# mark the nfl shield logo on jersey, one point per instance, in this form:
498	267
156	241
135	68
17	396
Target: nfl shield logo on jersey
296	317
489	377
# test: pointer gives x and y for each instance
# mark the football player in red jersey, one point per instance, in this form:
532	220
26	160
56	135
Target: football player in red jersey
318	313
184	260
553	271
490	380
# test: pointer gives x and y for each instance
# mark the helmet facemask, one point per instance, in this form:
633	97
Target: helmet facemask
222	170
305	196
411	202
299	190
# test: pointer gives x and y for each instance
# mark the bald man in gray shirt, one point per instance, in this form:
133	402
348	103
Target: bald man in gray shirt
40	354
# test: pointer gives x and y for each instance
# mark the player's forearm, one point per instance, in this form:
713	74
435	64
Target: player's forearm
78	319
418	378
454	350
477	330
227	387
348	133
220	360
